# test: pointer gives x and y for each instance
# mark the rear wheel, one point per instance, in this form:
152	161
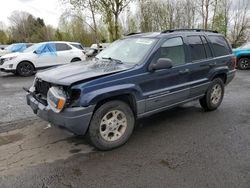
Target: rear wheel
243	63
25	69
214	95
111	125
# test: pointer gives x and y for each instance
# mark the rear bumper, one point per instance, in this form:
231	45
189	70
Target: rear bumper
230	76
76	120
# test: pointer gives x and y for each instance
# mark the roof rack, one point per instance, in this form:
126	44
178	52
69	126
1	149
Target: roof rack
133	33
195	30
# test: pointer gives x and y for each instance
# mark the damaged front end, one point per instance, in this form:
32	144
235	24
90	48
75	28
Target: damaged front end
59	105
54	97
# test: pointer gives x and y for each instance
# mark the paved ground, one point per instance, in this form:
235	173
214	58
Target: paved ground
183	147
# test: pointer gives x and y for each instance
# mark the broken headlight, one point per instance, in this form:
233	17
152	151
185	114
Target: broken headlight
56	99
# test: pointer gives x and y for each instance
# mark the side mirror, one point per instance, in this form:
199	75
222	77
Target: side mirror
37	52
162	63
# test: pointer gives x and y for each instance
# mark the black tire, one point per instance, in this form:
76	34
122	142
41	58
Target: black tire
75	60
25	69
209	102
243	63
94	133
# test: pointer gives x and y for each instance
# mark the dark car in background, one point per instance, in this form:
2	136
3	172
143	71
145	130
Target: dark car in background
136	76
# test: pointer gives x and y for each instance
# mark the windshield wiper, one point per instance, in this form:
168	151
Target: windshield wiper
112	59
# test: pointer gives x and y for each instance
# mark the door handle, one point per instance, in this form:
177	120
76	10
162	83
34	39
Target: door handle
185	71
212	64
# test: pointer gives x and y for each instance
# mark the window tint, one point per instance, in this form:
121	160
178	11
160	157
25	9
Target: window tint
220	45
62	47
79	46
173	49
29	45
207	48
197	48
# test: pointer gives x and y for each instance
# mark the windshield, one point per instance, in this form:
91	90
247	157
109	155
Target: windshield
16	47
32	48
130	50
245	46
9	47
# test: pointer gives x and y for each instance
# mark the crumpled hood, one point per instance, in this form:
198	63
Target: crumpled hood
80	71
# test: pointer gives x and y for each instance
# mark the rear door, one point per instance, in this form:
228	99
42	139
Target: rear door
64	53
167	87
201	63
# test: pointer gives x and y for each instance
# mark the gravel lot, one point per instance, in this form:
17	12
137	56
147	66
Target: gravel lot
182	147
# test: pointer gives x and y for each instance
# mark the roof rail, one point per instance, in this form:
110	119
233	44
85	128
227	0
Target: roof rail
133	33
195	30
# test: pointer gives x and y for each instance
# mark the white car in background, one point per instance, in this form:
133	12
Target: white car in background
42	55
16	47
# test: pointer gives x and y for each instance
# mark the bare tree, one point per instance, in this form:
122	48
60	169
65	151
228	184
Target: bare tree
90	5
241	22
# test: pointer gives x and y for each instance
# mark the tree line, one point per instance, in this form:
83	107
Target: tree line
95	21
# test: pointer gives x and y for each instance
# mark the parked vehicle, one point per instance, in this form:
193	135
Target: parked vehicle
2	46
93	50
41	55
17	47
243	56
134	77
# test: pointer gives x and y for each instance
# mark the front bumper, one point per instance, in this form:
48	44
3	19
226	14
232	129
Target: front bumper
76	120
230	76
7	70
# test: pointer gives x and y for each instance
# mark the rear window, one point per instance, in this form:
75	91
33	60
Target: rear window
62	47
220	45
79	46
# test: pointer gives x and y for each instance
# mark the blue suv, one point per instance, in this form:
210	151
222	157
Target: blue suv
136	76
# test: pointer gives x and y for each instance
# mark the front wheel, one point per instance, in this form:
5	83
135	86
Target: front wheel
111	125
25	69
214	95
75	60
243	63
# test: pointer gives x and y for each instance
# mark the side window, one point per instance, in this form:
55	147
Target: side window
206	46
49	48
79	46
62	47
173	49
197	48
220	45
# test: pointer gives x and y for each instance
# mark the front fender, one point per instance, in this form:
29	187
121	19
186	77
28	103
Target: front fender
95	96
242	53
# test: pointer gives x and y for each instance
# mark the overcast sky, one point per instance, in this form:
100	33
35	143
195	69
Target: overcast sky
49	10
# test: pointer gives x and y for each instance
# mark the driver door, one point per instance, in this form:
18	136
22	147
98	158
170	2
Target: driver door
167	87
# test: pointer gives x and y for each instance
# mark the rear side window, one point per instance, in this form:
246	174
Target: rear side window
197	48
220	45
62	47
79	46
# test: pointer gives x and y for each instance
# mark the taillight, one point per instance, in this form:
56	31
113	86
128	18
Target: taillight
234	59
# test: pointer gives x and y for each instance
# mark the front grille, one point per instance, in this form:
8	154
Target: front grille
42	87
1	61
